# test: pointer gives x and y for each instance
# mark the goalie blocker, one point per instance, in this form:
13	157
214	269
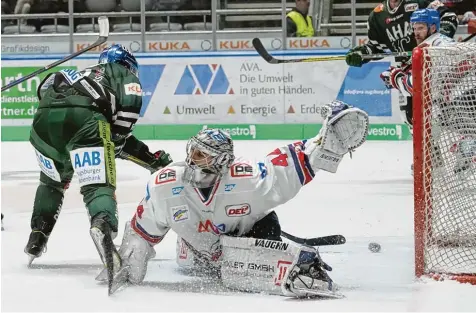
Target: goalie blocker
215	211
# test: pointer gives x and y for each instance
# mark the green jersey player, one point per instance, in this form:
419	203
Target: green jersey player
84	120
389	28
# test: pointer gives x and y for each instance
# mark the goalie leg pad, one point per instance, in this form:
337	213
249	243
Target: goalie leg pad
135	252
261	265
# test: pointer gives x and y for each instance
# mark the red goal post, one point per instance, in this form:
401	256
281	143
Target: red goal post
444	147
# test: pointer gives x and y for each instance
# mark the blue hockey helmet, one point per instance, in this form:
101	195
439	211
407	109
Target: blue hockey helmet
119	54
427	16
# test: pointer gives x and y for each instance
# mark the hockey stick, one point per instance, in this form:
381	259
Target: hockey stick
126	156
469	37
318	241
103	34
258	45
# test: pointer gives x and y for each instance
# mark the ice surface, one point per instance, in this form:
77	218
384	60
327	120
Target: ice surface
369	199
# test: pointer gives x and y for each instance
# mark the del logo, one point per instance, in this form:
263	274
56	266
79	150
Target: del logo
241	170
165	176
271	244
201	79
180	213
208	227
133	89
238	209
177	190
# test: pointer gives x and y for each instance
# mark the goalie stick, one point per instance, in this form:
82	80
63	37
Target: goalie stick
103	34
259	47
318	241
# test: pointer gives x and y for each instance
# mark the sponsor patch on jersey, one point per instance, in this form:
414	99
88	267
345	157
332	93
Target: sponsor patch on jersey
263	170
183	253
239	170
89	165
72	76
177	190
180	213
378	8
133	89
271	244
230	187
47	166
411	7
209	227
165	176
389	20
238	209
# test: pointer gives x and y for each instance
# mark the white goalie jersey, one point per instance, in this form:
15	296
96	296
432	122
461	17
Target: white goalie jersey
248	192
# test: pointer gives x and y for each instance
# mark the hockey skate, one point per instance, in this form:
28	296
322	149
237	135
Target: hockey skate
308	278
36	245
101	234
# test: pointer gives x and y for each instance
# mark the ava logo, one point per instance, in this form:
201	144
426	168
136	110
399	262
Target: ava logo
149	76
204	79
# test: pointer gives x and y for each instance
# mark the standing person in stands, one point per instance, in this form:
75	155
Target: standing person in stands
299	23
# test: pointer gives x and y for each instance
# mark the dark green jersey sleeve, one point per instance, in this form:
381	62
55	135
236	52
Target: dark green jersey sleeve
123	93
376	34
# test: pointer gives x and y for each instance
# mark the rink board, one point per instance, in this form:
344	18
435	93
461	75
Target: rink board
237	91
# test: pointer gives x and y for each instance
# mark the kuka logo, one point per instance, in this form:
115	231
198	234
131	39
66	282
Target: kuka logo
204	79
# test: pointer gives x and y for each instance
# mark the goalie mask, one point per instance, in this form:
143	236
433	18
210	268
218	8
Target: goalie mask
209	156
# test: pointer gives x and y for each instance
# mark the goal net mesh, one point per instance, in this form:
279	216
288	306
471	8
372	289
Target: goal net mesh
449	158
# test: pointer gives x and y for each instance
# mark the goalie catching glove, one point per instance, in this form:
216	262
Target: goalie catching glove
345	129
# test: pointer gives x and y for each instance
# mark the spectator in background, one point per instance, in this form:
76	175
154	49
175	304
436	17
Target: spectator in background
298	22
184	5
47	6
7	8
464	9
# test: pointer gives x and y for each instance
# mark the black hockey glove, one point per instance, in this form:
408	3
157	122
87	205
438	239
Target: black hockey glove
354	56
161	159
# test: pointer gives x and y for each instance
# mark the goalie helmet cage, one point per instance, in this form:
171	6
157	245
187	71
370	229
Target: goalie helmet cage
444	145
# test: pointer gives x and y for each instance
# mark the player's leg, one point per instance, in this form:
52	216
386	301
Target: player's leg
266	228
93	160
55	177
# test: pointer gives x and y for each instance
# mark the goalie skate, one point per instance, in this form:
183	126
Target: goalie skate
308	278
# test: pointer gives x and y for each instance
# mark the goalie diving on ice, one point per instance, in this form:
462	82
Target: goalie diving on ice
222	209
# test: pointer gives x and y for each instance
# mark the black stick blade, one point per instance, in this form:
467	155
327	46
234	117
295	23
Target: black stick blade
258	45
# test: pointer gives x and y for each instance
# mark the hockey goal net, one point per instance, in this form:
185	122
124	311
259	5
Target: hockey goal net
444	141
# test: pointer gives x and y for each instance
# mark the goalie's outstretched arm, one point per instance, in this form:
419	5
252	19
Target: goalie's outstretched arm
287	169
